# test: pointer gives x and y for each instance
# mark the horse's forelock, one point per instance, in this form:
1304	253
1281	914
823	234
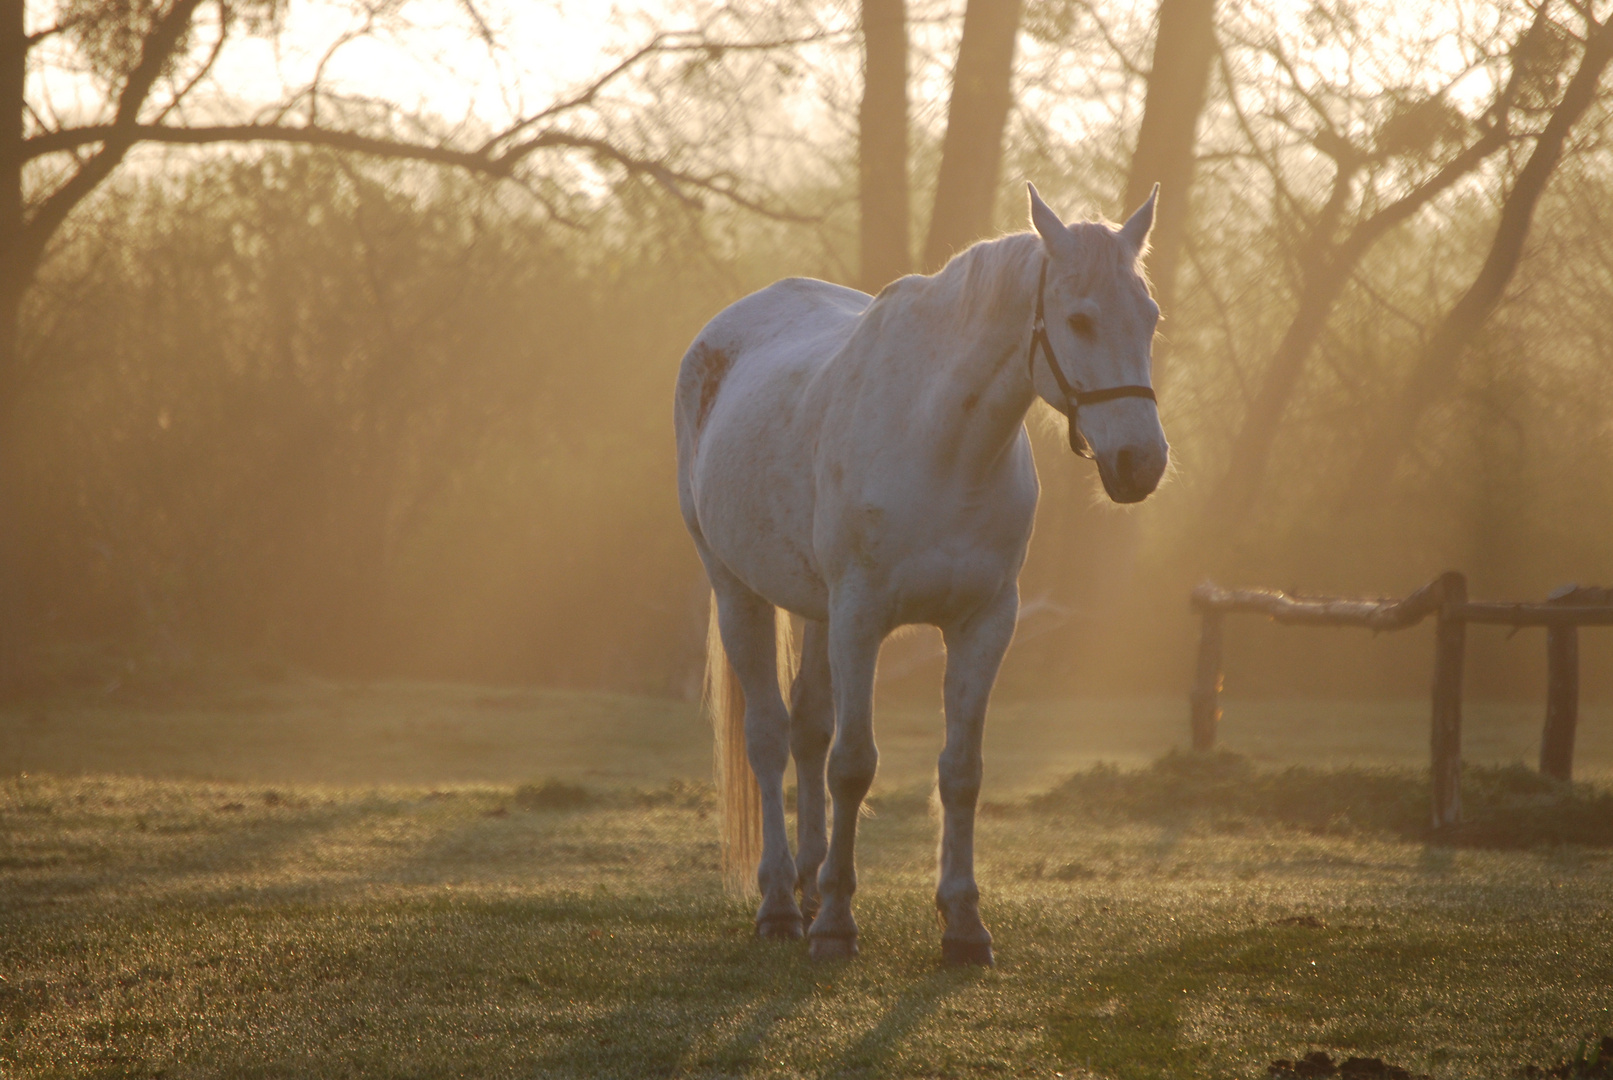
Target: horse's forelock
1100	252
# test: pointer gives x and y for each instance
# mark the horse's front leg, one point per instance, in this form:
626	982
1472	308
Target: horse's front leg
854	639
812	727
975	649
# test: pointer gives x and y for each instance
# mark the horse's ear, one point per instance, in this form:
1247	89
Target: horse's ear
1135	230
1054	233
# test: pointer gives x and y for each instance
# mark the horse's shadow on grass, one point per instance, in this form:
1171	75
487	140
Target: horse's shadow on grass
728	1007
205	856
880	1043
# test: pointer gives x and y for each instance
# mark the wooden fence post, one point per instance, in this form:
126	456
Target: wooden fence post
1445	739
1562	692
1205	697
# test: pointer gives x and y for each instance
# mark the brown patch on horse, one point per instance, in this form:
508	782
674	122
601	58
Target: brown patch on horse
712	368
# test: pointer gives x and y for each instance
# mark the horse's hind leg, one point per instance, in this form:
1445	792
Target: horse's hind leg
748	636
812	722
975	649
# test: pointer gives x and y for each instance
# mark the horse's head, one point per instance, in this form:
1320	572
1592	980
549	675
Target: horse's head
1093	364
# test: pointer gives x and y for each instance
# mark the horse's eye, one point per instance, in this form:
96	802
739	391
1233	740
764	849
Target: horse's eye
1083	326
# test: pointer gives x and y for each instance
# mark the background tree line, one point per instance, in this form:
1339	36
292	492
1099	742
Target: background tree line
349	389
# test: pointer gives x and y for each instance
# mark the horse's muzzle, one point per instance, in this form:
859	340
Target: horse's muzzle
1131	474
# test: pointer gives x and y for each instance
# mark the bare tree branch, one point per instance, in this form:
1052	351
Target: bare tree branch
667	43
501	165
205	69
119	136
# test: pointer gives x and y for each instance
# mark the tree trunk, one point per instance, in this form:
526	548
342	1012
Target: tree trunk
1435	368
886	252
13	279
972	152
1167	138
1184	46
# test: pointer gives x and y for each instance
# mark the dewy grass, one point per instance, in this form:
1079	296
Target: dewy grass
1508	806
199	928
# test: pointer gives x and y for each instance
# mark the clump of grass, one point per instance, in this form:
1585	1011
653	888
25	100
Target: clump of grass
1508	806
679	794
552	795
1592	1061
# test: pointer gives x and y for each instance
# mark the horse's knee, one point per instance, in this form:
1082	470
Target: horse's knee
851	771
959	784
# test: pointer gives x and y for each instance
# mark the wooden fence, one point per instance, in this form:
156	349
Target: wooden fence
1445	598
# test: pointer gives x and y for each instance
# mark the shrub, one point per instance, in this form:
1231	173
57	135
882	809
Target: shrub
552	795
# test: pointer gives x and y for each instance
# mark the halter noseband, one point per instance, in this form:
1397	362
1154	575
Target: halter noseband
1073	398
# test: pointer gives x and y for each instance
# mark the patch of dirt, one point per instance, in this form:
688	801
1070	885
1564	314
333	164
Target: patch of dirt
1318	1064
1310	922
552	795
1593	1060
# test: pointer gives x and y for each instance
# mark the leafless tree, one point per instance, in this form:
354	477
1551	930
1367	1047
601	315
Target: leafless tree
1389	154
1435	365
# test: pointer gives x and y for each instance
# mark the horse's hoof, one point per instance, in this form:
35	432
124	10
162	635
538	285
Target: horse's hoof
977	953
833	948
779	928
809	911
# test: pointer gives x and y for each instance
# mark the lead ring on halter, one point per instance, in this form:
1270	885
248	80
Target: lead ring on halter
1073	398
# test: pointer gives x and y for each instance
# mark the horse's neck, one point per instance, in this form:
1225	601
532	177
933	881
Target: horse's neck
983	305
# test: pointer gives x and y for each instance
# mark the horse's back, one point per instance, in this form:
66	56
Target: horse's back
794	323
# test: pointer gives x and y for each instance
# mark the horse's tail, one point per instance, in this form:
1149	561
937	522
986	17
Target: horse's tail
739	800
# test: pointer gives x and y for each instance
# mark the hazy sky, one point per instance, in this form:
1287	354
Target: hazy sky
428	60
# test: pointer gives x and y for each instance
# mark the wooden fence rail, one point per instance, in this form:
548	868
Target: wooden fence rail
1445	598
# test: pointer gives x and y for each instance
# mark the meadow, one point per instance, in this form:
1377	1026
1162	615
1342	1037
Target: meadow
304	878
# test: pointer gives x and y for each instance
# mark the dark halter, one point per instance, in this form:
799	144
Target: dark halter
1073	398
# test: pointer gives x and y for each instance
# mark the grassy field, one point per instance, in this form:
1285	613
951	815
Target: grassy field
318	880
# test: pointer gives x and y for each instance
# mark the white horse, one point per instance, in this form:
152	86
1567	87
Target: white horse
863	462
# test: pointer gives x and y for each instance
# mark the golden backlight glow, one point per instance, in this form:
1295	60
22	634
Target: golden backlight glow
352	639
429	430
432	59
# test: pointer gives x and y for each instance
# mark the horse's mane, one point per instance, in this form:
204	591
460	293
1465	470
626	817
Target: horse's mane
984	278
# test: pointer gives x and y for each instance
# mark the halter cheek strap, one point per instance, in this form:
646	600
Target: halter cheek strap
1073	398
